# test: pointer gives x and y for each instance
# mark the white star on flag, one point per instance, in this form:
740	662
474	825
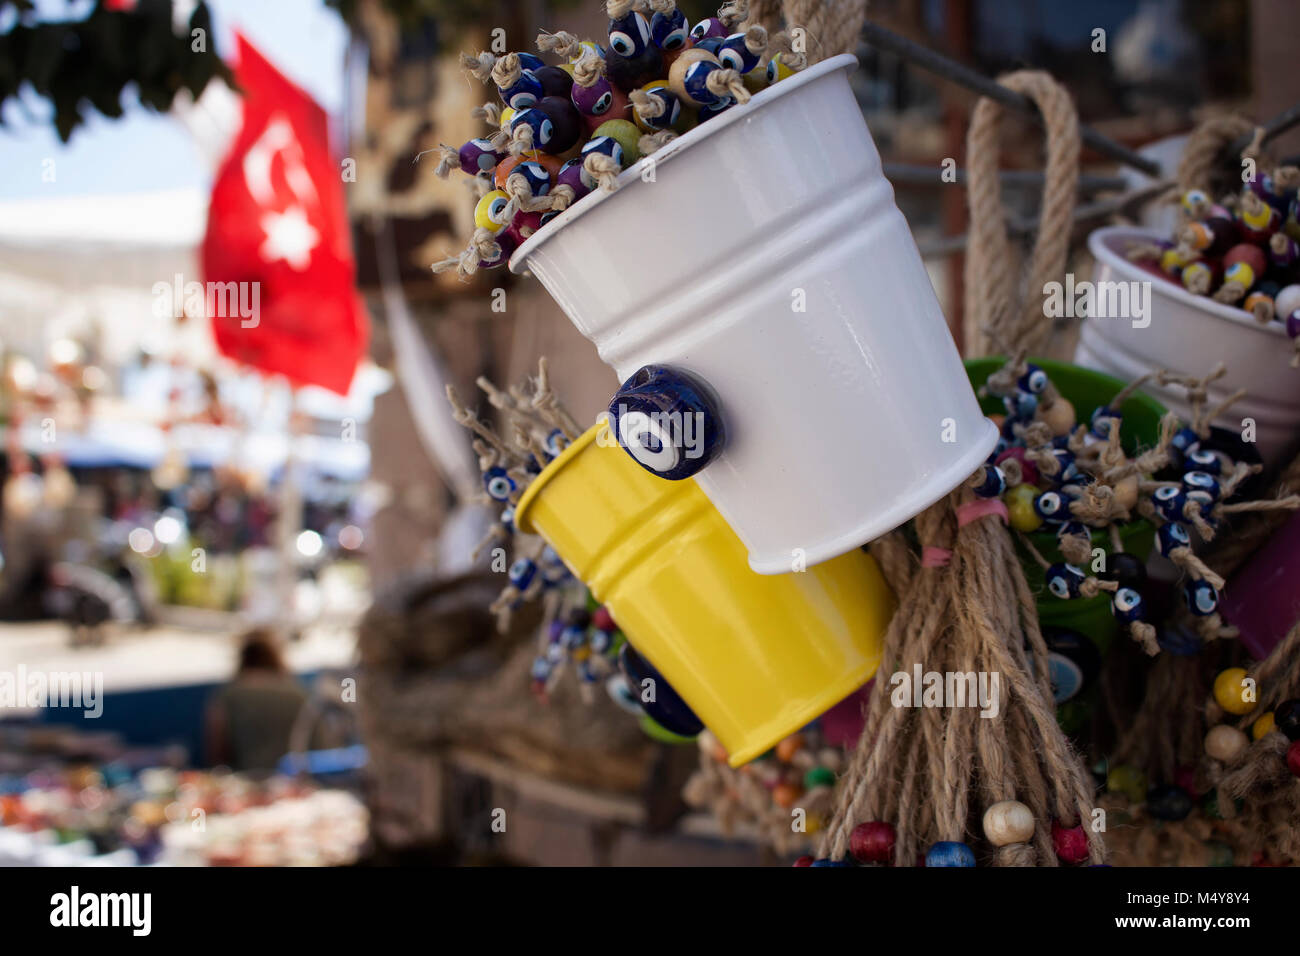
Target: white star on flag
289	236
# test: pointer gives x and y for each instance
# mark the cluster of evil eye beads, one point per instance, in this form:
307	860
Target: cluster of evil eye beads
566	129
1042	501
1243	251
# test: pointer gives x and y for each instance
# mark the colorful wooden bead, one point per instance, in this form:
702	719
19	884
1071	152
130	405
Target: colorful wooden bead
1195	202
1293	758
1169	501
1264	724
1225	743
629	35
1070	843
1169	802
949	853
831	863
1201	596
778	69
1020	508
668	421
669	29
1287	717
1053	507
688	77
872	842
1230	689
670	109
1171	536
1127	606
490	212
788	747
1127	780
819	777
786	795
708	27
803	860
991	482
498	483
625	133
1008	821
735	54
523	93
521	573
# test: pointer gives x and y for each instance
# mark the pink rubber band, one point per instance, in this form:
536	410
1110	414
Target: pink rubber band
935	557
981	508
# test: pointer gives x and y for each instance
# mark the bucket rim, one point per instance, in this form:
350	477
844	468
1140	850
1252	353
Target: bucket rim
1103	253
842	61
547	474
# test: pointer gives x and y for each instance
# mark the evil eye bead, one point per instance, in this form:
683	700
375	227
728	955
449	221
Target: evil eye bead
665	706
523	93
489	214
621	693
600	144
668	421
508	519
735	55
543	128
521	573
1195	201
555	442
1021	404
539	180
1169	501
777	70
1201	597
1052	506
949	853
1066	470
1170	537
541	670
530	61
1203	460
498	483
1240	272
479	156
711	27
594	100
1102	420
1034	380
669	31
571	175
992	483
573	638
695	83
672	111
1201	486
1127	606
1065	581
629	35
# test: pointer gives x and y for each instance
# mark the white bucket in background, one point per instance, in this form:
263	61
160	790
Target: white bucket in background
843	420
1191	333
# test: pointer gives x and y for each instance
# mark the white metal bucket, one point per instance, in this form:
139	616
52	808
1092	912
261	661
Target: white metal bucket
1190	333
843	420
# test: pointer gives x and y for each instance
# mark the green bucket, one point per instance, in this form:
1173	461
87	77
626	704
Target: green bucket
1085	390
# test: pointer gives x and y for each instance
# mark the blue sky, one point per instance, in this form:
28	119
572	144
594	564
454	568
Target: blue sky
144	152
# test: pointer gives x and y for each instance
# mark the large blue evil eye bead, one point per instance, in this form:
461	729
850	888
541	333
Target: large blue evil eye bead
1170	537
1065	581
949	853
1127	605
657	698
1053	507
1169	501
1202	459
736	55
1201	486
523	93
629	35
992	482
669	30
1034	380
668	421
521	574
530	61
498	483
1201	597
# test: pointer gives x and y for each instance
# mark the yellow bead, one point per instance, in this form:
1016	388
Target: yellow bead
1020	508
1263	725
1009	821
488	214
1230	689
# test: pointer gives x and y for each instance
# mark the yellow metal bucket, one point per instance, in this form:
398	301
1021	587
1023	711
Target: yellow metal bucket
756	656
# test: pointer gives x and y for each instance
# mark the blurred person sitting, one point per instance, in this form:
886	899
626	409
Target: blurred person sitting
250	719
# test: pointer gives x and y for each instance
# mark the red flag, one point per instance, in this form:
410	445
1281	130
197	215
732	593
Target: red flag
278	227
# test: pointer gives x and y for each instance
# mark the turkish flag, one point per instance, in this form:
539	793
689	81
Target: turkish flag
278	228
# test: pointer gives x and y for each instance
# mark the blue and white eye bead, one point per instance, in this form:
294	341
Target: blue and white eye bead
541	670
1127	606
521	573
1065	581
523	93
541	125
539	180
1203	459
1201	486
607	145
1169	501
668	420
573	638
669	30
1052	506
695	83
508	519
622	694
498	483
530	61
1102	420
1020	404
1184	440
600	641
1170	537
629	35
1034	380
992	482
555	442
736	55
1201	597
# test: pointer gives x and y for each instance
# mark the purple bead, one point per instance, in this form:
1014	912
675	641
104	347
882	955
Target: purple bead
1293	324
479	156
712	27
571	175
594	100
507	244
